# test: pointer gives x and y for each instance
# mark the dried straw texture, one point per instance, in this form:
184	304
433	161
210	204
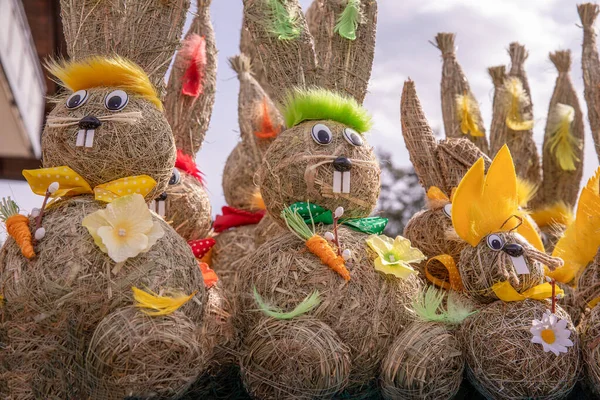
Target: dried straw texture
304	359
570	303
518	54
230	250
248	48
589	333
588	283
187	208
481	267
454	83
287	63
140	146
266	230
344	65
238	178
295	168
590	63
145	31
551	234
189	116
69	288
558	184
503	364
367	313
521	144
424	363
455	157
419	139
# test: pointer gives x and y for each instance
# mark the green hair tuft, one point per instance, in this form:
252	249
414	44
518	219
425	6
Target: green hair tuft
321	104
311	301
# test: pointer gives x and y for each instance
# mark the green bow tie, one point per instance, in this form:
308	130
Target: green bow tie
320	215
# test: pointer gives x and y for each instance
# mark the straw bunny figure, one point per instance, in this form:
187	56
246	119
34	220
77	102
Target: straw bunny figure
304	344
112	303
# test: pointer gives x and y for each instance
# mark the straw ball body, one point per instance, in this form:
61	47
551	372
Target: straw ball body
425	362
230	250
296	168
588	283
140	144
503	363
589	332
266	230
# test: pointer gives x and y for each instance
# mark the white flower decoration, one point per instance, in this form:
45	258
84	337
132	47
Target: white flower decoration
125	228
552	333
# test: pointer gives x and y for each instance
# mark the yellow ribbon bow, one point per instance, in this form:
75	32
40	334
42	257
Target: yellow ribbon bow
72	184
506	292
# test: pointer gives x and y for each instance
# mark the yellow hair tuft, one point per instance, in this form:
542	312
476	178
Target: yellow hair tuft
557	213
517	100
525	191
469	116
99	71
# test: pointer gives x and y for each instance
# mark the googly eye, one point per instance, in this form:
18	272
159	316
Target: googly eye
495	242
77	99
353	137
321	134
175	177
116	100
448	210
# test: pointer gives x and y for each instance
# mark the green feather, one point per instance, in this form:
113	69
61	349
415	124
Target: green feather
428	306
311	301
348	20
283	22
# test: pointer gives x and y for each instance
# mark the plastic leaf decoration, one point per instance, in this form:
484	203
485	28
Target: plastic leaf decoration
394	256
267	130
429	306
155	305
311	301
187	164
561	140
581	239
469	116
124	229
348	20
193	55
517	100
557	213
284	23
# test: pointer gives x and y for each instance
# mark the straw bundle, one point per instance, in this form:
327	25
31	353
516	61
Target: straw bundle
503	363
454	84
367	313
188	208
248	48
425	362
238	178
146	31
590	63
589	332
189	116
145	145
521	144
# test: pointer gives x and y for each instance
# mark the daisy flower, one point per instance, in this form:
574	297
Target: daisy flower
552	333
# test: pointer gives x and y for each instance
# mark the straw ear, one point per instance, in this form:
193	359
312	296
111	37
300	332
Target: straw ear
344	37
419	139
455	157
191	88
248	48
284	45
563	139
145	31
259	119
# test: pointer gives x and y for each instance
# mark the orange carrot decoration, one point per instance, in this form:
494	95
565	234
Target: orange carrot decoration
267	130
315	243
17	226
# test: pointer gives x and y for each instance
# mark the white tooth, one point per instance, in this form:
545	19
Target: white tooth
337	181
346	182
80	138
152	206
161	208
520	265
89	138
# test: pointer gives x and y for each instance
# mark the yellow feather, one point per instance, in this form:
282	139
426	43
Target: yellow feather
581	239
99	71
154	305
468	114
557	213
525	191
561	140
517	99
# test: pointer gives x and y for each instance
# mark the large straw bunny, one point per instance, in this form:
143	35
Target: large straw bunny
298	346
112	303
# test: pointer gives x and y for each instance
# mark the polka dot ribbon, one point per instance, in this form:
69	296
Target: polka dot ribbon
72	184
202	246
454	281
319	215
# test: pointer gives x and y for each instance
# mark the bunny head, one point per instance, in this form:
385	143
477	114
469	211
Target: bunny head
322	157
109	122
502	244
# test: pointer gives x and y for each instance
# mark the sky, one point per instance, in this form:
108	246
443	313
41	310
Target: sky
484	29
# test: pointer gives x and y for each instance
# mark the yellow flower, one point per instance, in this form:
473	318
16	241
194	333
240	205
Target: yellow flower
124	229
394	255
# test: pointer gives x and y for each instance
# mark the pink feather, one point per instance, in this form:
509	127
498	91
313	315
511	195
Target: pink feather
193	56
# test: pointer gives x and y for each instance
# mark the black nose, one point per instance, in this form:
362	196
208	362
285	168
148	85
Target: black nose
163	196
513	249
342	164
89	122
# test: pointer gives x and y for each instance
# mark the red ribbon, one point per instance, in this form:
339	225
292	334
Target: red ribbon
233	217
202	246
